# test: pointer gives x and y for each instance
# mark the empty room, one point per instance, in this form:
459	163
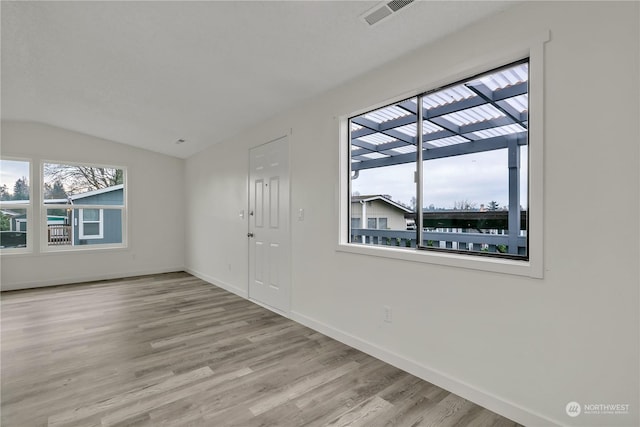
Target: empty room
320	213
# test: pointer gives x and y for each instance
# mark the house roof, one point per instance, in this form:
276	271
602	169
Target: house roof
9	213
86	194
382	198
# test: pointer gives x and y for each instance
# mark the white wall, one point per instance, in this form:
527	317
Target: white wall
155	210
523	347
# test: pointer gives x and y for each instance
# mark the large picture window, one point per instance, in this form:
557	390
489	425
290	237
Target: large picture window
446	169
83	206
15	205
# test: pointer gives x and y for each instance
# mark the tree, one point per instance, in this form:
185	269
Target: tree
55	191
79	179
21	189
493	205
464	205
5	222
4	192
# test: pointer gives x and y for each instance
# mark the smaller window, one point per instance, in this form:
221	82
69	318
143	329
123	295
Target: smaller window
91	223
382	223
355	223
372	223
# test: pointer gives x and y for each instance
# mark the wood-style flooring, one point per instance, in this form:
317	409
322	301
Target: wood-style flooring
173	350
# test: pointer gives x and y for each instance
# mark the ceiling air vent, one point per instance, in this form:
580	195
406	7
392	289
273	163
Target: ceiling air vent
383	10
396	5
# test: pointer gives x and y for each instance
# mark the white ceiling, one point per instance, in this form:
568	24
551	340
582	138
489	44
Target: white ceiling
147	73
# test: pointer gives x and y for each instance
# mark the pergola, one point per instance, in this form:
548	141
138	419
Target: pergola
483	114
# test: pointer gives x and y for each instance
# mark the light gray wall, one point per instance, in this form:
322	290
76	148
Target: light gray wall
524	347
155	209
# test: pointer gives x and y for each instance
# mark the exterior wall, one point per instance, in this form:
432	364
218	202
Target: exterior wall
379	209
520	346
155	241
112	219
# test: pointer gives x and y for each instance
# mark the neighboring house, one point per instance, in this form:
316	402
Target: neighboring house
14	222
19	221
378	212
93	226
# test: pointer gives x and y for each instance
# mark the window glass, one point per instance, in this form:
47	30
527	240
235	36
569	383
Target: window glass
14	182
466	189
13	223
91	215
15	204
85	205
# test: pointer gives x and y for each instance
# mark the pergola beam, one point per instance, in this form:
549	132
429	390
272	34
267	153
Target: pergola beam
488	96
479	146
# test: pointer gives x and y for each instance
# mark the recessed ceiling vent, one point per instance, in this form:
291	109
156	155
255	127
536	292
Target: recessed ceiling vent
384	10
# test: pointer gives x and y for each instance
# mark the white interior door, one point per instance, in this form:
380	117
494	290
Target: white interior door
269	281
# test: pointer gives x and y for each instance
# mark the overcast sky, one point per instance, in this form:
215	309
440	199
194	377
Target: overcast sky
477	178
11	171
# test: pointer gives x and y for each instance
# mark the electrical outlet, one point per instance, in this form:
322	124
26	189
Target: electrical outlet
388	314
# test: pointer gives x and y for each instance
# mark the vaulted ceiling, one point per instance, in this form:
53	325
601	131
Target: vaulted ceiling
148	73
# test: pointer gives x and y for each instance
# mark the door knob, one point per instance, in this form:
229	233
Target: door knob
249	234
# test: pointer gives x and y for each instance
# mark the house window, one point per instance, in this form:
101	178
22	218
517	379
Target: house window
83	206
382	223
355	223
15	205
452	161
91	223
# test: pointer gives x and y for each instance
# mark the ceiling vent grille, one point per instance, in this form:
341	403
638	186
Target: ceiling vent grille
384	10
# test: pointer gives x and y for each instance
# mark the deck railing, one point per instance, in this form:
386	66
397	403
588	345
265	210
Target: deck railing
464	241
59	235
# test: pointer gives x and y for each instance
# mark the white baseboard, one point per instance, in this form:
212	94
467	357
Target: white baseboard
480	397
219	283
80	279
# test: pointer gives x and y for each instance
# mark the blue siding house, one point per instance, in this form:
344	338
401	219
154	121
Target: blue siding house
93	225
98	226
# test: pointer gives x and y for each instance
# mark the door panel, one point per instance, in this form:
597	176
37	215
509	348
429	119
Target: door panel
269	256
259	204
274	202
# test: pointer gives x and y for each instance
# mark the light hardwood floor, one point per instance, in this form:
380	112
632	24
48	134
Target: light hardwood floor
173	350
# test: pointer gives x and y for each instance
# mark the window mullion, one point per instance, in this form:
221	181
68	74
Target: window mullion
418	178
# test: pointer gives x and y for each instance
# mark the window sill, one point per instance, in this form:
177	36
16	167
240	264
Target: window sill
82	248
495	265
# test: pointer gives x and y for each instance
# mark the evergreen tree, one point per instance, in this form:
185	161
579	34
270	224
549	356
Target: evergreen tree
55	191
4	192
21	189
493	205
